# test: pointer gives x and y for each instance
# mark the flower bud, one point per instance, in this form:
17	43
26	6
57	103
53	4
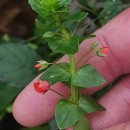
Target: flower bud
41	64
41	86
102	51
37	66
94	45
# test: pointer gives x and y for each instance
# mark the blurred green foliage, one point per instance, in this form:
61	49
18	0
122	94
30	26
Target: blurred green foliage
110	9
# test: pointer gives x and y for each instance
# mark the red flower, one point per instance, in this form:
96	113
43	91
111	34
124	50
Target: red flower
42	64
37	66
41	86
102	51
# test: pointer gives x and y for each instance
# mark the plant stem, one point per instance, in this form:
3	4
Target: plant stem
86	60
83	57
57	93
74	89
72	63
30	39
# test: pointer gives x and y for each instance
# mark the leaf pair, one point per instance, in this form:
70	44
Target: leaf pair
86	76
70	46
36	6
77	17
68	113
45	7
57	73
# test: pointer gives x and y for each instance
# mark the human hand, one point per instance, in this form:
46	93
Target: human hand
31	109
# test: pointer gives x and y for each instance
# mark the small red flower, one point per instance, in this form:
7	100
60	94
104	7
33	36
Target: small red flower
102	51
42	64
41	86
37	66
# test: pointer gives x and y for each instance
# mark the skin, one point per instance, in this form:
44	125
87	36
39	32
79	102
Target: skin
32	109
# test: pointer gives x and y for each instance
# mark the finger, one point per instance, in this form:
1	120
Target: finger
123	126
117	104
114	35
24	108
30	105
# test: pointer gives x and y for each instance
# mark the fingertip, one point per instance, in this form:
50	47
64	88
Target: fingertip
26	108
23	106
32	109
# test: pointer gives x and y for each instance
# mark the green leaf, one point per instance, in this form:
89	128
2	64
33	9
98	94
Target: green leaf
92	4
61	13
49	2
82	124
64	2
89	104
56	73
7	94
88	77
48	8
63	46
48	34
110	9
17	64
36	6
77	17
50	5
67	113
53	125
44	28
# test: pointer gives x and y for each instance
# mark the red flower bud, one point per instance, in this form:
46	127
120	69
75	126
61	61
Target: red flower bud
42	64
37	66
41	86
102	51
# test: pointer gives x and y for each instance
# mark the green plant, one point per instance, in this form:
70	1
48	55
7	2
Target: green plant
61	38
13	56
17	67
